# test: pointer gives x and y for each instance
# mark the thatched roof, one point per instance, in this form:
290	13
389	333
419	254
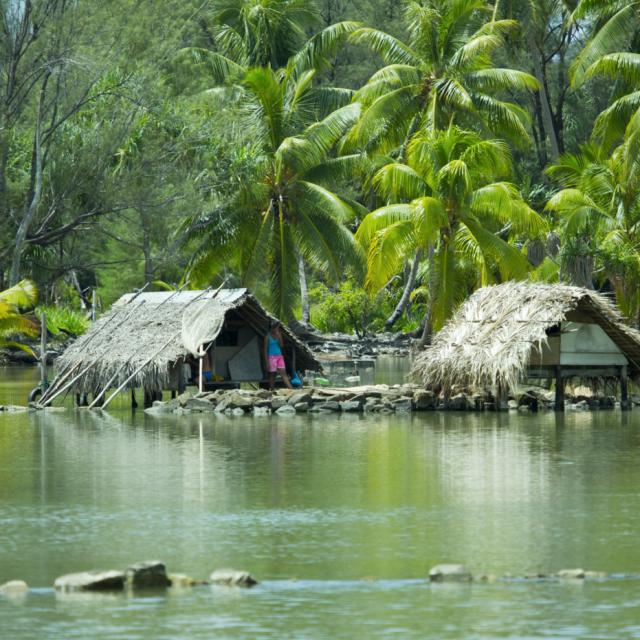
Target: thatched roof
491	338
137	327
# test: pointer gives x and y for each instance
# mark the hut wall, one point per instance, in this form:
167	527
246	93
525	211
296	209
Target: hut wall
584	343
222	354
548	355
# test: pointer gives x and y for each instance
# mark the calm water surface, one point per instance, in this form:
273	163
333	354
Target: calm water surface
340	517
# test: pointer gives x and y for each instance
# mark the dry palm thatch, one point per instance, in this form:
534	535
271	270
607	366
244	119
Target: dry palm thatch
128	335
490	340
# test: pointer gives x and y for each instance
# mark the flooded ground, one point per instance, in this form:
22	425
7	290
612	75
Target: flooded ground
340	517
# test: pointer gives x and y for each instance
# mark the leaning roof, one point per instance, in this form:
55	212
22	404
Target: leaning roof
139	326
490	339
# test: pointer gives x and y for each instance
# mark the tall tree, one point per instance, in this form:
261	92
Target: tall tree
451	200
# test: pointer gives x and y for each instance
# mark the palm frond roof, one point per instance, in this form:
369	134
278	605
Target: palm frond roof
491	338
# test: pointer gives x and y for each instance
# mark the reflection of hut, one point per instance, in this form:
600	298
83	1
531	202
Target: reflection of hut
149	336
508	332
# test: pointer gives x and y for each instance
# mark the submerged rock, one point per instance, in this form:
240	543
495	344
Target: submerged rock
450	573
182	581
147	575
571	574
14	588
232	578
286	410
91	581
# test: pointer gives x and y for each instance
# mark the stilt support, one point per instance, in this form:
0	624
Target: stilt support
559	390
624	389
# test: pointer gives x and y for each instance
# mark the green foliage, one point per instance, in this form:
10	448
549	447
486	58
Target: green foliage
349	309
14	303
64	321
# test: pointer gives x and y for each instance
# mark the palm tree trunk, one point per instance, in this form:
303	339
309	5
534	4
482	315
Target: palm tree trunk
406	294
547	115
304	292
427	329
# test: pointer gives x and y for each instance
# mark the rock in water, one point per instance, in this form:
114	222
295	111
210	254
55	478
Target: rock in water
14	588
450	573
232	578
91	581
571	574
147	575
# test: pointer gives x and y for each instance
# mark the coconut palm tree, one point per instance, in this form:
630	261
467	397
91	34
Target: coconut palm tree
262	33
450	200
598	211
444	73
13	302
615	27
284	213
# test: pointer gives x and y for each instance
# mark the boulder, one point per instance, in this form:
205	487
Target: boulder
14	588
301	407
236	411
450	573
298	397
182	581
261	411
147	575
234	400
277	402
199	404
232	578
286	410
159	407
424	400
183	398
91	581
458	402
330	405
571	574
350	406
513	405
402	405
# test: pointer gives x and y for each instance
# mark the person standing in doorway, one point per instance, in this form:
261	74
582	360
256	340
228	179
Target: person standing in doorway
274	355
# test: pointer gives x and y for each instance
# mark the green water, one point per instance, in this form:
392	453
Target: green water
339	517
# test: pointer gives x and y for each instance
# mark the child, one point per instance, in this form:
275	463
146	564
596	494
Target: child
273	355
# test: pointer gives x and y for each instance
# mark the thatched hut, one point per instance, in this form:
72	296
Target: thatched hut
517	330
145	339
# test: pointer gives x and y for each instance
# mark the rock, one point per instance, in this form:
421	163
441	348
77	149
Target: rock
301	407
183	398
232	578
13	408
182	581
237	411
261	411
286	410
14	588
298	397
277	402
350	405
330	405
571	574
234	400
513	404
424	400
147	575
449	573
489	578
199	404
91	581
458	402
160	407
596	575
402	405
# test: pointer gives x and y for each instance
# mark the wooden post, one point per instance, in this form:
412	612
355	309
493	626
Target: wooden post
502	398
624	389
201	353
559	390
44	383
94	300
